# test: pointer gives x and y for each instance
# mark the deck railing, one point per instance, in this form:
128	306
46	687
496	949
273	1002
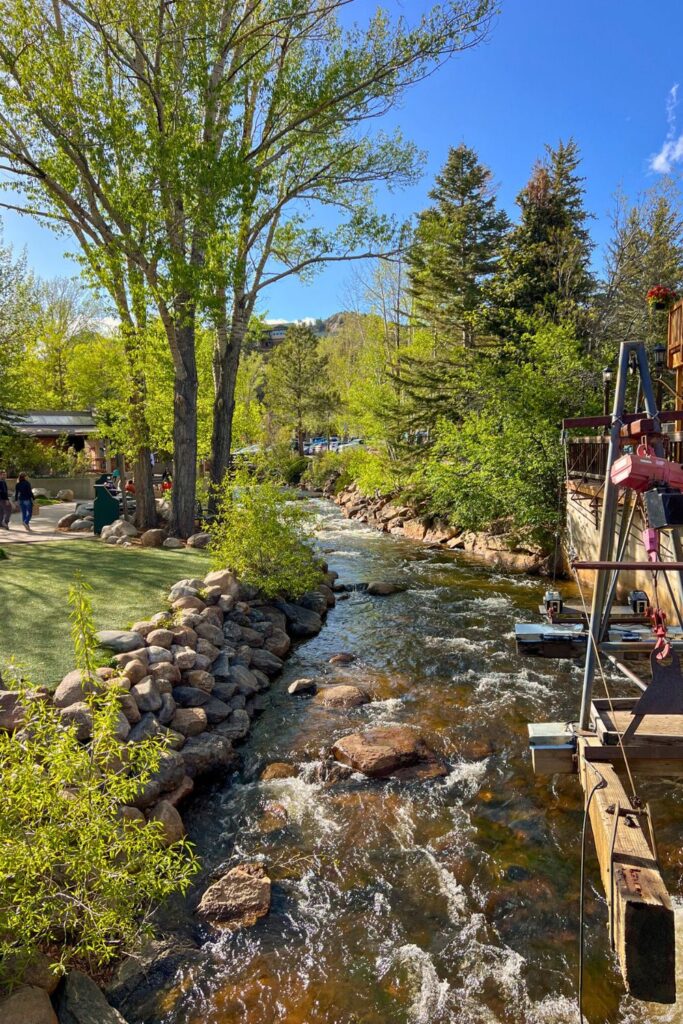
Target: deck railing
587	456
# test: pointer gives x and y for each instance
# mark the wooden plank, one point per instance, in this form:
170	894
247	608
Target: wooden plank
657	728
654	762
641	918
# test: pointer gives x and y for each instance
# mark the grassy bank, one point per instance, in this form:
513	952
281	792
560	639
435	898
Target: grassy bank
128	584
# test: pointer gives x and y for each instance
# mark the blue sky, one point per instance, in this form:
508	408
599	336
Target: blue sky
599	70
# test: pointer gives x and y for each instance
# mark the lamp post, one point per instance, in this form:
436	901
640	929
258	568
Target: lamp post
606	381
659	353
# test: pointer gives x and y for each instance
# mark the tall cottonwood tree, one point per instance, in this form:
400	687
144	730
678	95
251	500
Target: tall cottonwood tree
455	250
158	135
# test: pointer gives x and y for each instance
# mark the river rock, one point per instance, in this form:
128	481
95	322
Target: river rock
78	715
192	604
141	981
153	538
146	694
184	636
266	661
174	543
160	638
382	751
381	588
302	687
238	899
216	711
244	680
189	721
205	649
183	657
232	632
199	540
190	696
224	690
208	753
181	792
224	579
202	663
302	622
236	727
130	708
343	658
314	601
342	696
275	616
82	1002
171	822
278	643
212	633
165	670
73	688
120	641
200	679
167	709
11	711
28	1005
278	770
134	671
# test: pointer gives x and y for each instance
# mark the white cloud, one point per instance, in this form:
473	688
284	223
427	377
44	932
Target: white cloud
672	148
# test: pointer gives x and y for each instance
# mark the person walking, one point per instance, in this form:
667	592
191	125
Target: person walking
23	493
5	503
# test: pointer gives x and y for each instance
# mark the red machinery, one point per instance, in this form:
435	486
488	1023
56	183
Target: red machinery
645	470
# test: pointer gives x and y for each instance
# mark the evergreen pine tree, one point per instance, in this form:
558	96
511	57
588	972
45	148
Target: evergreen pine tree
456	249
545	269
298	391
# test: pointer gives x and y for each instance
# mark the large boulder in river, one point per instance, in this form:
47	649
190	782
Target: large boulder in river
141	982
385	751
381	588
302	622
238	899
82	1002
341	697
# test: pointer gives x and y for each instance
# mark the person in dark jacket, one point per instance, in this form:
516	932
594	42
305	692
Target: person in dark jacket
5	503
23	493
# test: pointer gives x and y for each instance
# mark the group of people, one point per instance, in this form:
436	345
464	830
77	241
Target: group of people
23	496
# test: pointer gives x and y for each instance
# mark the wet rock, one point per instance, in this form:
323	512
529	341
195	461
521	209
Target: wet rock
27	1005
120	641
208	753
81	1001
266	662
475	750
343	658
236	727
278	770
302	622
381	752
380	588
302	687
189	721
274	817
278	643
238	899
140	983
170	821
341	697
314	601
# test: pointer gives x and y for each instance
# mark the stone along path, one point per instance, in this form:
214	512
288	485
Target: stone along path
43	526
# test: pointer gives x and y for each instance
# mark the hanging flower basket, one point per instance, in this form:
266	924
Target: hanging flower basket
660	298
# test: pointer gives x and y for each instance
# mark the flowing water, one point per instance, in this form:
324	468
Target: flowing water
454	900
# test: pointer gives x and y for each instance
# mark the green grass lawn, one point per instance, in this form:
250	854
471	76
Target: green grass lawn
128	584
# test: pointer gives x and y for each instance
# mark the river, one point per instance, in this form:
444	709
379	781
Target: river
454	900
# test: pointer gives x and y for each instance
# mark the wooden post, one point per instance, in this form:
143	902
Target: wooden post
675	349
641	918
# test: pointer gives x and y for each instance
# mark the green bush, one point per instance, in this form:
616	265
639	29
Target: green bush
264	538
280	464
76	882
371	471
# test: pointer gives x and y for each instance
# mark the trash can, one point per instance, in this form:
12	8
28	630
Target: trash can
106	508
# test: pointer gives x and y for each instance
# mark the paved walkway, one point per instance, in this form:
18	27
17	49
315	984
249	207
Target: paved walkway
43	526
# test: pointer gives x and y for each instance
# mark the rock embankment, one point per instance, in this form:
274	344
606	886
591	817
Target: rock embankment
499	546
197	674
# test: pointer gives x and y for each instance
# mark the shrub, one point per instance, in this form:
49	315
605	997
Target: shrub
75	881
372	471
264	538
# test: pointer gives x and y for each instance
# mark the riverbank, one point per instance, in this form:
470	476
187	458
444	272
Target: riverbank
497	547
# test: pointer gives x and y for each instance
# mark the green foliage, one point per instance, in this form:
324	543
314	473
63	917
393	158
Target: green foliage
372	471
264	538
298	390
76	882
19	453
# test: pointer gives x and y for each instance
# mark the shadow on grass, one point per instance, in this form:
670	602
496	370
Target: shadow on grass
128	584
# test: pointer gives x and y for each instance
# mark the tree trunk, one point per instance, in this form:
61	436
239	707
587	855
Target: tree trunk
226	359
184	429
145	502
